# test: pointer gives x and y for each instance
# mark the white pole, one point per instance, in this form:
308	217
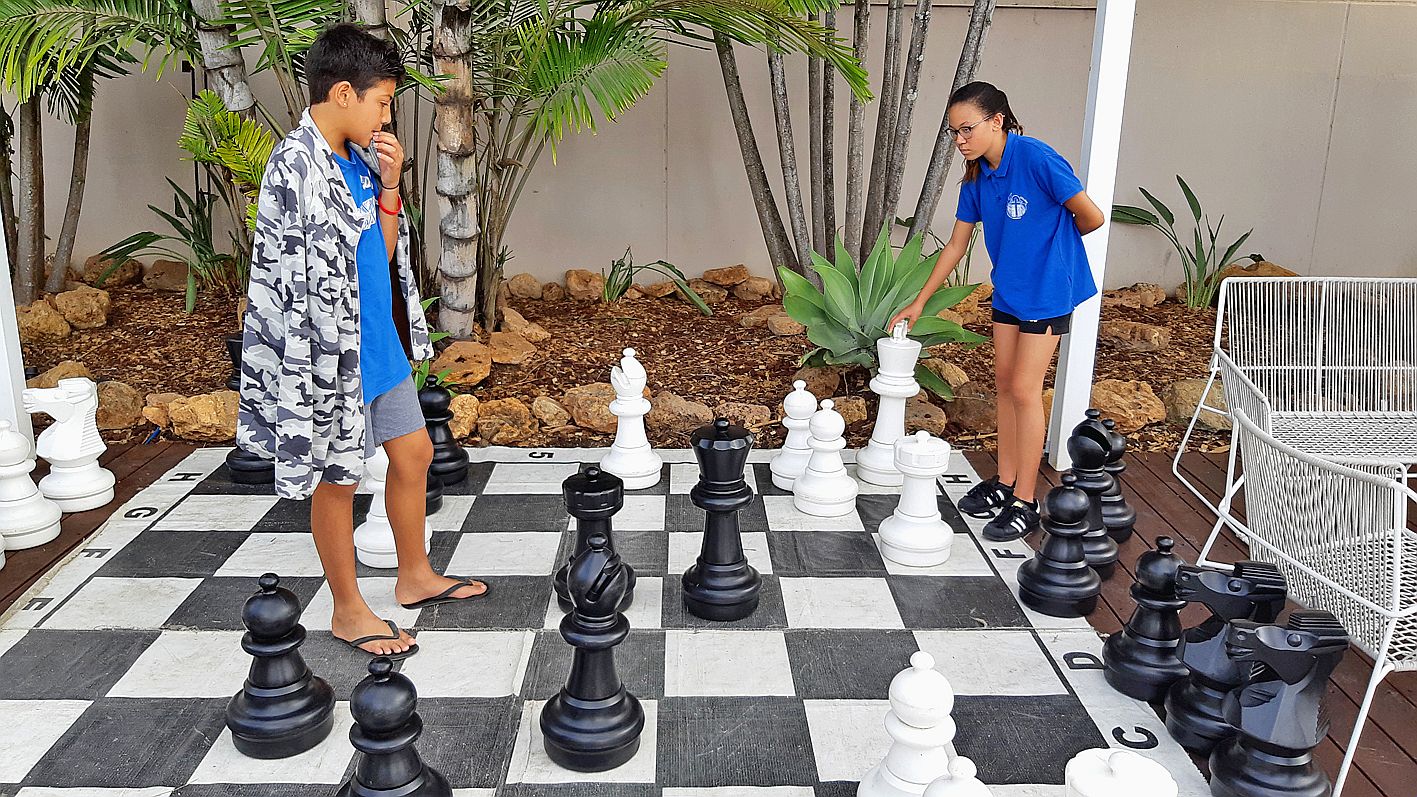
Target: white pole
12	367
1102	137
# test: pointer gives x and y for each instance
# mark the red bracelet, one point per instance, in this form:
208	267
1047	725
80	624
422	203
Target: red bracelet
393	212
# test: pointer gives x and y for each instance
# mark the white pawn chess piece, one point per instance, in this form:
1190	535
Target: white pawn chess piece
894	383
72	445
791	460
27	518
915	534
1111	772
921	730
630	456
374	538
825	489
963	781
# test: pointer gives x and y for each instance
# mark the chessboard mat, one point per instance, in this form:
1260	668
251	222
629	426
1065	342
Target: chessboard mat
115	669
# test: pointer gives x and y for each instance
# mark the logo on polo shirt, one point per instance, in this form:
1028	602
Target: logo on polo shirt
1016	206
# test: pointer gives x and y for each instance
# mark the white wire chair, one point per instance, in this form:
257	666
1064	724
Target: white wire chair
1338	531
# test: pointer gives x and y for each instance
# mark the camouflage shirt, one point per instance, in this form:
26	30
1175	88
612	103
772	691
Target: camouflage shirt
301	400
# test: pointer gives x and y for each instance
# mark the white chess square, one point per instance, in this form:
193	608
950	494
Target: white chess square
187	664
839	603
645	612
684	550
542	478
378	592
640	513
291	555
30	728
848	736
505	553
469	663
123	603
326	762
531	764
867	488
991	662
88	791
683	477
742	791
452	513
217	513
726	663
783	516
9	637
965	560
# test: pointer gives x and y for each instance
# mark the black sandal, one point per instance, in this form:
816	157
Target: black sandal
446	596
393	635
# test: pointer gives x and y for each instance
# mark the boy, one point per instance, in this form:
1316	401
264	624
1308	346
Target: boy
325	372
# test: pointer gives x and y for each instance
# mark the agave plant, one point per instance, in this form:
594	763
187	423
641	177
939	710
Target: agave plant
850	313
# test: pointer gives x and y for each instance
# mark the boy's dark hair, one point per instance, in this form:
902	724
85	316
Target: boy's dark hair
348	52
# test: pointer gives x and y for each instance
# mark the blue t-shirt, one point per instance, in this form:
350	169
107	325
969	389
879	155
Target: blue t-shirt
382	362
1040	267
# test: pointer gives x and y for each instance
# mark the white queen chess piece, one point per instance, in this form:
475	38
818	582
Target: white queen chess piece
374	538
921	730
916	534
894	383
72	446
630	456
825	489
1111	772
791	460
27	518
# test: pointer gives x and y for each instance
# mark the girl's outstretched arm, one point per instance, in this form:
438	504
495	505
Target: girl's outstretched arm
945	263
1086	215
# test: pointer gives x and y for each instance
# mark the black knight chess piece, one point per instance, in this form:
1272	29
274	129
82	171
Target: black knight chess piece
1248	591
282	709
594	724
721	585
1057	581
386	725
1278	709
1118	517
1141	660
1088	446
450	460
592	497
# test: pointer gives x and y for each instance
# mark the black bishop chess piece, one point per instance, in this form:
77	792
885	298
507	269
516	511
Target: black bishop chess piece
1278	709
1057	581
1141	660
1248	591
386	725
592	497
282	709
1118	517
594	724
450	460
721	585
1088	446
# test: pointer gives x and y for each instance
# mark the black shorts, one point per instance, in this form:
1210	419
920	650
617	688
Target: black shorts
1060	325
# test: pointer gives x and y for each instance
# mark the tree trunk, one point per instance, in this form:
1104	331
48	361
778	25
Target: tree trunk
829	146
788	151
29	268
459	308
980	16
64	248
874	215
814	150
373	15
769	218
225	66
855	133
900	140
7	190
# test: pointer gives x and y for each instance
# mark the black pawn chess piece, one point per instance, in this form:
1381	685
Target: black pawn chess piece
1141	661
592	497
282	709
1088	447
1278	710
593	724
1248	591
450	460
1118	517
721	585
433	494
1057	581
386	724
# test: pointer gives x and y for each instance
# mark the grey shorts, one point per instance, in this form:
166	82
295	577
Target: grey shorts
392	414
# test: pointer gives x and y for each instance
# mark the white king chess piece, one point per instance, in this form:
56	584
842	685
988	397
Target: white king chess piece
72	445
374	538
894	383
791	459
916	534
630	456
825	489
921	730
27	518
1112	772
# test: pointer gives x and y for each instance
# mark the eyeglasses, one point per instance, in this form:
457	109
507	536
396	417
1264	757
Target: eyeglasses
967	130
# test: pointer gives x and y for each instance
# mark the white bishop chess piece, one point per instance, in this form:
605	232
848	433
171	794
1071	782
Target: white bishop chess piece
630	456
791	460
374	538
1113	772
963	781
825	489
27	518
921	730
894	383
72	445
916	534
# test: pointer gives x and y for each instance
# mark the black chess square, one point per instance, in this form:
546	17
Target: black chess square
875	508
504	512
646	551
771	611
762	471
713	741
216	603
173	554
680	514
294	516
824	553
219	482
512	602
477	475
468	739
850	664
579	790
1052	728
258	790
69	665
639	661
955	602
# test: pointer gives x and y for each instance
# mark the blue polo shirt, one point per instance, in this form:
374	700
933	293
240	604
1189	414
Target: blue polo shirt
1040	267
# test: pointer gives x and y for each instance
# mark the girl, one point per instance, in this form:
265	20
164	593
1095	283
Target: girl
1035	214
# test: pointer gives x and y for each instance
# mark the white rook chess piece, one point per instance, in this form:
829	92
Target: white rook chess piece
894	383
792	458
1110	772
72	445
962	781
825	489
27	518
374	538
631	457
921	730
916	534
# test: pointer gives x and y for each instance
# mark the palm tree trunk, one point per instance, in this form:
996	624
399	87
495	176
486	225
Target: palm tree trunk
225	66
874	215
814	150
7	188
787	149
900	140
64	248
855	132
373	15
459	260
980	16
29	262
829	145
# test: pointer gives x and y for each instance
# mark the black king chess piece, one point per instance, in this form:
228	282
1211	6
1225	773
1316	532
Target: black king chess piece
1248	591
1278	709
721	585
1141	661
1088	446
592	497
244	467
450	460
282	709
593	724
1057	581
386	724
1118	517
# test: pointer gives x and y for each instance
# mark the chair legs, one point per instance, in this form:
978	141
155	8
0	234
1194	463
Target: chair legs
1381	668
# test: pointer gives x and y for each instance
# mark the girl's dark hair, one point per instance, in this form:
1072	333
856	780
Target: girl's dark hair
348	52
989	99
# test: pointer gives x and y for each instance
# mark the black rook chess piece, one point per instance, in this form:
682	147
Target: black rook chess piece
1278	710
1089	447
450	460
592	497
1057	581
593	724
721	585
1141	661
1248	591
282	709
1118	517
386	724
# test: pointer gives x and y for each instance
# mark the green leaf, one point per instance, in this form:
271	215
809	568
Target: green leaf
191	297
1160	207
1129	214
932	382
861	357
795	284
840	297
946	297
1190	199
1235	247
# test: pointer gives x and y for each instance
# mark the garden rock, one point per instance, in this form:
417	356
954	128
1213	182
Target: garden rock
671	413
40	321
709	292
750	416
1246	267
549	412
64	370
973	307
755	289
589	406
821	382
1183	396
84	307
635	291
852	409
951	373
782	325
950	315
1131	403
467	363
505	422
975	408
583	285
155	410
166	275
921	414
209	417
728	276
553	292
1140	295
1135	335
515	322
659	290
465	413
119	406
128	273
760	316
509	348
524	286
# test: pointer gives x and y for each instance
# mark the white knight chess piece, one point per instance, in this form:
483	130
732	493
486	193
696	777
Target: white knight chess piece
921	730
630	456
894	383
27	518
374	538
72	445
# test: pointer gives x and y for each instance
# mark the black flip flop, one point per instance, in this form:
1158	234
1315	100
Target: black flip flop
393	634
446	596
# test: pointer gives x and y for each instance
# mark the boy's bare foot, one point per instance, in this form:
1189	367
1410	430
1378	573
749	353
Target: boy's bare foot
367	624
411	590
